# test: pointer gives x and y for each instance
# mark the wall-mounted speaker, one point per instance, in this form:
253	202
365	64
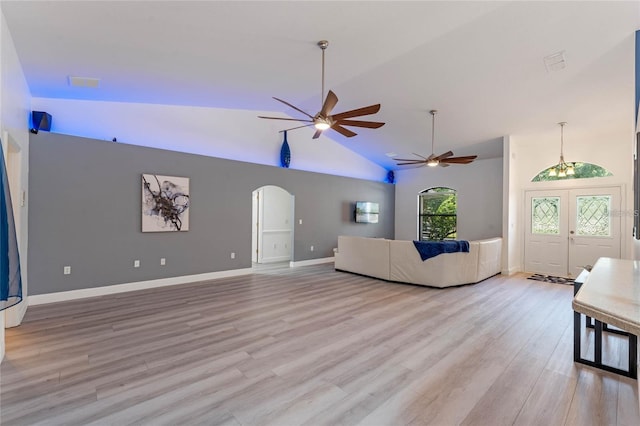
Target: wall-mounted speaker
41	121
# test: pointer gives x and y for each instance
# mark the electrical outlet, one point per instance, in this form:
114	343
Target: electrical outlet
311	248
233	255
163	261
136	263
300	222
66	270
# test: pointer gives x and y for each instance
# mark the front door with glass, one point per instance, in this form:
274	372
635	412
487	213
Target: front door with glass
566	230
594	226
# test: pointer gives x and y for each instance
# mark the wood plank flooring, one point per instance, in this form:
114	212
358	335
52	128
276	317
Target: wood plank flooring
312	346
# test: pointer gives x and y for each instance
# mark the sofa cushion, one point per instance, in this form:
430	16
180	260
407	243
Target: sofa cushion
366	256
489	258
444	270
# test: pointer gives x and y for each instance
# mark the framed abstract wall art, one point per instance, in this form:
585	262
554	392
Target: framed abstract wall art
165	203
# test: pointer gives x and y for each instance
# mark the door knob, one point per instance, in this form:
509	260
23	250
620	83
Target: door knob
571	232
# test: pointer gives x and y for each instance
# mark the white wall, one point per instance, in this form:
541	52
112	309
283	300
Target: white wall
223	133
512	225
479	190
14	113
611	148
607	141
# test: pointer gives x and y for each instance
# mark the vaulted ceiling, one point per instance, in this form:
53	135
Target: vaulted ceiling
481	64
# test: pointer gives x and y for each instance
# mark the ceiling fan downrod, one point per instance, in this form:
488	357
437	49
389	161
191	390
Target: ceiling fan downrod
323	45
433	161
433	113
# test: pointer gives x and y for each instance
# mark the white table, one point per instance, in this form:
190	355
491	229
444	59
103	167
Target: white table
610	295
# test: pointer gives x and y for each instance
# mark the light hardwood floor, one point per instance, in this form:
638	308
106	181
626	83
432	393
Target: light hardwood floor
312	346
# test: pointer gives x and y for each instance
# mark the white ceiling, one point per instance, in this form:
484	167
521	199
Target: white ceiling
479	63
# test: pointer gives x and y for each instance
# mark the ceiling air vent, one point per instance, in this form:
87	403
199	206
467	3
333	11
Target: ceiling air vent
555	62
84	82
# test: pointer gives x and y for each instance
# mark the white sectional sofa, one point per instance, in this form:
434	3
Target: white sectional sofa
395	260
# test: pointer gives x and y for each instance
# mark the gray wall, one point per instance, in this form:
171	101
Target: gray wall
85	211
479	189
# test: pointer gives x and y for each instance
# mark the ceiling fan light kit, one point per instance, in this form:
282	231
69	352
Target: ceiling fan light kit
324	120
321	124
442	160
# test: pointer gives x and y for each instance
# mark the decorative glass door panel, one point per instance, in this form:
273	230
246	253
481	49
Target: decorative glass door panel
545	215
593	216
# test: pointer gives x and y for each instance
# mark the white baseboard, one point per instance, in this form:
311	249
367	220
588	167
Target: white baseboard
312	262
275	259
511	271
39	299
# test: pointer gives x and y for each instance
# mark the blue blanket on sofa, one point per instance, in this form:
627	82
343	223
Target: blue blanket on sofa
429	249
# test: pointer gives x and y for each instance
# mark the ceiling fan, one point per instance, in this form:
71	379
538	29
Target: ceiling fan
433	160
324	120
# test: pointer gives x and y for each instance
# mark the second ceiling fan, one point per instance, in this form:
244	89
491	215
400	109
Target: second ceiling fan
442	160
324	120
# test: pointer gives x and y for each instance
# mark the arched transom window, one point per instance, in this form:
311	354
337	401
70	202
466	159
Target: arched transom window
571	171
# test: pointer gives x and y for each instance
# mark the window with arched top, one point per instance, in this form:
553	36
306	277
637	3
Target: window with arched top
575	170
438	217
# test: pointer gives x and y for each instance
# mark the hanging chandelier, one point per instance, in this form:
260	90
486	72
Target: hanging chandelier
562	169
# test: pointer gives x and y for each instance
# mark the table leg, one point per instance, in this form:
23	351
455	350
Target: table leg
597	357
633	356
577	326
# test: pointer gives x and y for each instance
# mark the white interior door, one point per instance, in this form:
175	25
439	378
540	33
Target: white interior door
566	230
255	197
594	226
274	213
546	235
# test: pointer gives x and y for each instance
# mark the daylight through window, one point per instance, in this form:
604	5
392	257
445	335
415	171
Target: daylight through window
580	171
438	218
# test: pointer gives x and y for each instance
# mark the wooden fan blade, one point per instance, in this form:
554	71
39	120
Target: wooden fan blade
459	160
294	107
294	128
357	123
317	134
422	164
287	119
368	110
443	164
342	130
445	155
412	163
407	159
329	103
412	159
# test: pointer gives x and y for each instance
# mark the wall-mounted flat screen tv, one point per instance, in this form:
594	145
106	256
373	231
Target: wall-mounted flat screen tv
367	212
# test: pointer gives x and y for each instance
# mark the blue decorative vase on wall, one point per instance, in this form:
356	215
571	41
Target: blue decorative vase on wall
285	152
391	177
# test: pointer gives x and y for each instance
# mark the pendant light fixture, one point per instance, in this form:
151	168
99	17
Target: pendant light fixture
562	169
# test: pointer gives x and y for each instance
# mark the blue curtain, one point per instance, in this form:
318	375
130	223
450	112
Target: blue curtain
10	277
